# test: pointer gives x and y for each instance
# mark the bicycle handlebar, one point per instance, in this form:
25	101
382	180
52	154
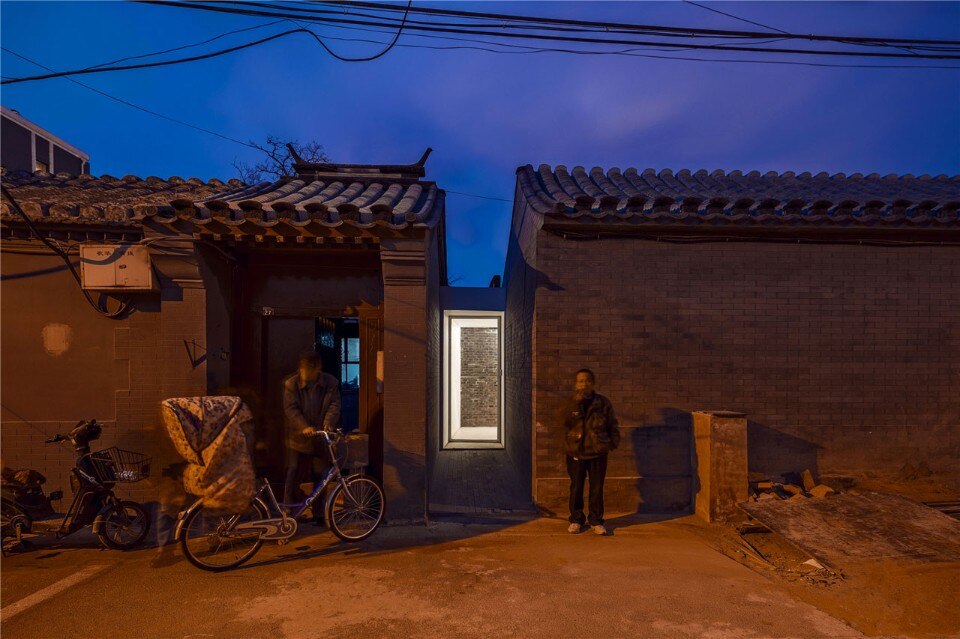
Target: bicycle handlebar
328	435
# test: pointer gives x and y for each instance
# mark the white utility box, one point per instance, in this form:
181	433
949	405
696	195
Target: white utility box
125	267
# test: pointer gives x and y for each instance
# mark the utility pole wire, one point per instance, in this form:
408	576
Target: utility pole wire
730	15
135	106
615	25
766	26
640	44
556	38
146	65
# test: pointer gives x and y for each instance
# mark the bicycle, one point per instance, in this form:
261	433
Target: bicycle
216	542
119	524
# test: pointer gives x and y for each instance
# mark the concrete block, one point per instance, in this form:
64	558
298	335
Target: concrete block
720	446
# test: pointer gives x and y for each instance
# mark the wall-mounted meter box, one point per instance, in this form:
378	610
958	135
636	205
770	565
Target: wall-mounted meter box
116	267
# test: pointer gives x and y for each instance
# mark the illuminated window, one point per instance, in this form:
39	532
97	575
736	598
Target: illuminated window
473	379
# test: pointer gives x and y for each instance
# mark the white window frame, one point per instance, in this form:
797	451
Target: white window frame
455	436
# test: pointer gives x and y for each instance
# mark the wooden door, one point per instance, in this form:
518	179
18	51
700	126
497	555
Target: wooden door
284	338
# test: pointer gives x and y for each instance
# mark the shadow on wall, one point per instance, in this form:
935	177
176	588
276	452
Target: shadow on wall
773	452
664	463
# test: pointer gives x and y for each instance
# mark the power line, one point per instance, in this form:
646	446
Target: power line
640	45
186	46
560	38
206	56
136	106
730	15
482	197
528	50
147	65
766	26
124	306
389	46
607	25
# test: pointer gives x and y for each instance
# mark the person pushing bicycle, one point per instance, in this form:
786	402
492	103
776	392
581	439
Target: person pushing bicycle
311	401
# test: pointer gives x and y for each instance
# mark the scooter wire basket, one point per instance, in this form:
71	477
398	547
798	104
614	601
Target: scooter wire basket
118	465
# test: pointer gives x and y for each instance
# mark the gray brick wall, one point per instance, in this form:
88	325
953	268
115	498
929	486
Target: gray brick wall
845	358
479	376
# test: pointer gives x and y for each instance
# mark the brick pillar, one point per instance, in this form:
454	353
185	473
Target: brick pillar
720	449
404	378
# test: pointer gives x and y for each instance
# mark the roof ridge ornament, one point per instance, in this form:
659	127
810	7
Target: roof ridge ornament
397	171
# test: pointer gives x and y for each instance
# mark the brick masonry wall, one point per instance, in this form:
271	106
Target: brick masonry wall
479	378
845	358
520	339
116	371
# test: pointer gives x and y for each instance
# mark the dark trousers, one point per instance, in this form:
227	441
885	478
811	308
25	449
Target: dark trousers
579	469
299	471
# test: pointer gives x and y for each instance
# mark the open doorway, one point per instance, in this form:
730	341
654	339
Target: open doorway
337	339
348	348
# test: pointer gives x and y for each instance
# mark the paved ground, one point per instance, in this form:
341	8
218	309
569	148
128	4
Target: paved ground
649	579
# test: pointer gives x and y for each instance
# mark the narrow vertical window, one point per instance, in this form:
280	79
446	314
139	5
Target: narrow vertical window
473	380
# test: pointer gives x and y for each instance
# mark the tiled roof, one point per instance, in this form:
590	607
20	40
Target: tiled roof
738	199
84	199
362	201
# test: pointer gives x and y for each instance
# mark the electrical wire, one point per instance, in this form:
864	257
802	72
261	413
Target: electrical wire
482	197
146	65
766	26
620	25
135	106
125	305
559	38
228	50
392	44
632	52
186	46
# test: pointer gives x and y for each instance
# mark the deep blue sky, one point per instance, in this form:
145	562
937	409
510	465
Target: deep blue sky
485	114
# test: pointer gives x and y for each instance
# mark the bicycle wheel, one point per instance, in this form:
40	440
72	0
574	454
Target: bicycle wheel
355	514
124	526
208	545
14	522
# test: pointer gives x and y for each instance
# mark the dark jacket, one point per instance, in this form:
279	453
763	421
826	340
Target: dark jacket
590	427
316	405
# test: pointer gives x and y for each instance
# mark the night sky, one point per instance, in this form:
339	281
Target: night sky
486	114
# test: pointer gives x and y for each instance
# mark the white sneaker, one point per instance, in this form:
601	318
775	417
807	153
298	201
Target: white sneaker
573	529
599	530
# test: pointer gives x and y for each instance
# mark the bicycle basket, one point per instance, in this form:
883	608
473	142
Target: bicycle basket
118	465
353	451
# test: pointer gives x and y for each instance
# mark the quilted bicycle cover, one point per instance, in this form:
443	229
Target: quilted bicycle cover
211	434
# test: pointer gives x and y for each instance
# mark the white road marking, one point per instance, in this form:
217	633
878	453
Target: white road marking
52	590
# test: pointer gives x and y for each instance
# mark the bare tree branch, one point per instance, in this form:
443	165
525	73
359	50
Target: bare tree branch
279	161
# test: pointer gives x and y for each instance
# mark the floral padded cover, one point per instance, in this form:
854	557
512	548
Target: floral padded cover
212	434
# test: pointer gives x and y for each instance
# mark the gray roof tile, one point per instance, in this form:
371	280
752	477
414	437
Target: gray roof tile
351	199
719	197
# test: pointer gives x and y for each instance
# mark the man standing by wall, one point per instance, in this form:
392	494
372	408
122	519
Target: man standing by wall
591	431
311	400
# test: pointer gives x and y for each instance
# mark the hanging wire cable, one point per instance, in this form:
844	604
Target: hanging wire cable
561	38
766	26
186	46
512	49
640	45
125	305
136	106
620	25
730	15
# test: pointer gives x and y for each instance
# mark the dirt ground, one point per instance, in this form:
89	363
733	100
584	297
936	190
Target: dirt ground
650	578
883	598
